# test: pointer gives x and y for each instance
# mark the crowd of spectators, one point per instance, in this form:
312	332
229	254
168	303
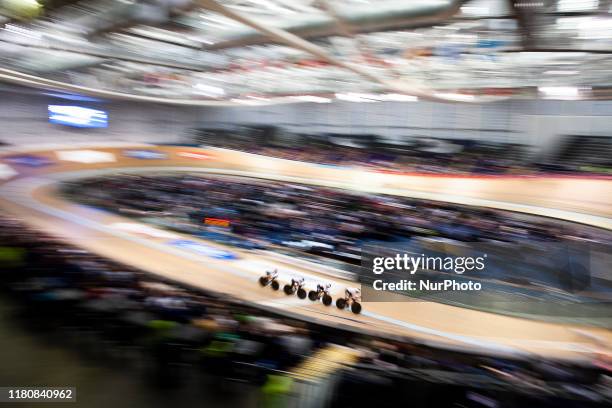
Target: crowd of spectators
179	330
315	218
435	156
493	161
59	282
407	162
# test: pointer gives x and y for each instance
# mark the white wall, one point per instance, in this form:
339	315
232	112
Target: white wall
23	120
393	120
536	123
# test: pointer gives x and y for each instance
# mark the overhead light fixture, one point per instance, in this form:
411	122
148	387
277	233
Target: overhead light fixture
577	5
560	72
210	90
454	96
365	97
529	4
475	10
311	98
248	101
562	92
356	97
399	97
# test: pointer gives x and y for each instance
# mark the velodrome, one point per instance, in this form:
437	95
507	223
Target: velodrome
32	195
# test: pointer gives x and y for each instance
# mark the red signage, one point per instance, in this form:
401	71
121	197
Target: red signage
217	222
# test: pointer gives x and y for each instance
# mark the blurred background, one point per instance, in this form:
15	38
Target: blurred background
485	90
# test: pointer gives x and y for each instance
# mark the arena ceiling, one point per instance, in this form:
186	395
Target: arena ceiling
232	52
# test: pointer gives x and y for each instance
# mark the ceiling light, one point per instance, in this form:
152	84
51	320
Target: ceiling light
311	98
529	4
577	5
399	97
356	97
560	72
561	92
210	90
475	10
454	97
248	101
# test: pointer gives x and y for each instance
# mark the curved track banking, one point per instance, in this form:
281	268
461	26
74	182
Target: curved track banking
30	194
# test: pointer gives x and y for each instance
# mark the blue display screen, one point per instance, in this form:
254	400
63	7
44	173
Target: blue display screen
77	116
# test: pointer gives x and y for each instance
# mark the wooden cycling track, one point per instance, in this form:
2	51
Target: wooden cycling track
31	195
